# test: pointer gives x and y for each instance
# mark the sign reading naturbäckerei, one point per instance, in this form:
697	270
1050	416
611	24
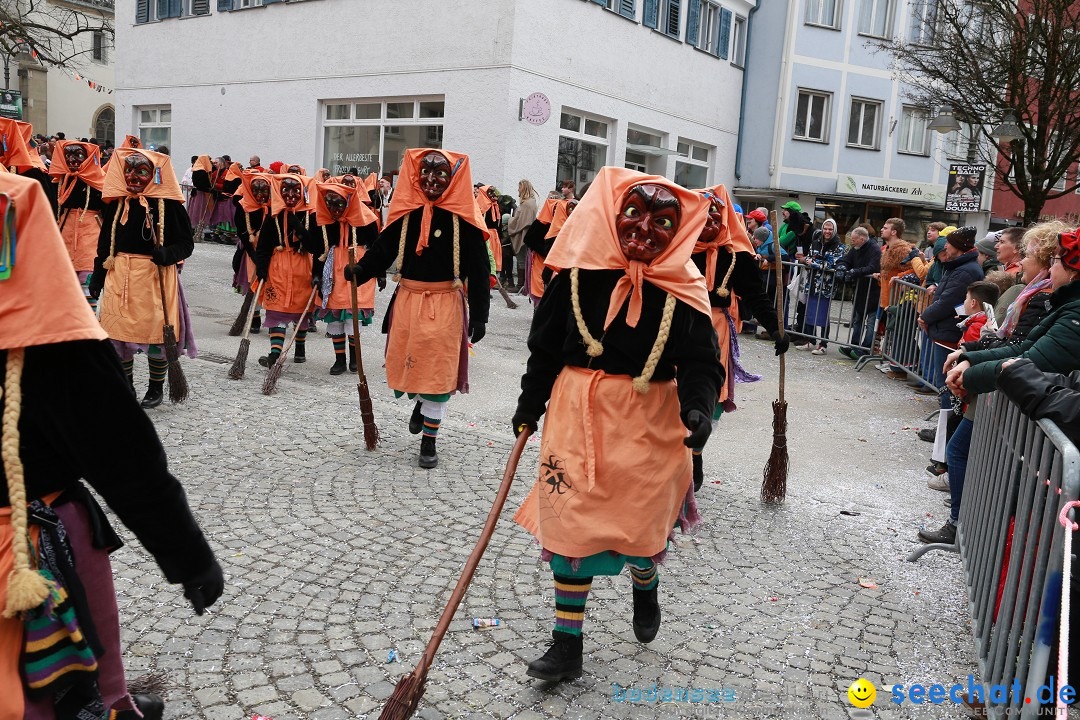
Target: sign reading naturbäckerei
965	188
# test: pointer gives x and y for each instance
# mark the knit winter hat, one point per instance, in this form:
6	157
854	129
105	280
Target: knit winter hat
1069	248
762	234
962	239
987	246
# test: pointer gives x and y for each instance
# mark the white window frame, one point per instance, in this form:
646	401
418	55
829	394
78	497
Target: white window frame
387	125
687	157
708	39
662	18
738	41
1062	183
903	143
887	23
582	136
958	143
923	30
863	103
617	7
815	13
825	119
104	59
156	122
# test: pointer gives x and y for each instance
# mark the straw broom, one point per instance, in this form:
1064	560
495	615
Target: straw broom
402	703
371	432
272	376
236	372
178	386
505	295
238	324
774	482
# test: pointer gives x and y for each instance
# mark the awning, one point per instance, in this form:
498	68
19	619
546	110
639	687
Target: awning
651	150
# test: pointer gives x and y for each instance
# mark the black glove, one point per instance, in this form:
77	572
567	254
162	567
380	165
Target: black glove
912	255
477	331
94	289
700	428
381	282
249	249
723	301
523	420
159	256
842	274
296	224
316	282
261	271
354	272
204	589
780	342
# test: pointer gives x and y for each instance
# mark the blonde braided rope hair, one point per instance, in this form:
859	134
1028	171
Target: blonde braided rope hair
457	249
723	291
111	260
26	588
594	348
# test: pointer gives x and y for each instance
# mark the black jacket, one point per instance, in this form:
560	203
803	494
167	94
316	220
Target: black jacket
745	282
691	353
1053	396
940	315
136	238
436	263
859	264
80	420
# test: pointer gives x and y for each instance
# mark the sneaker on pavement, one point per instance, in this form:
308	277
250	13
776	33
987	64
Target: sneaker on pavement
939	483
936	468
923	390
896	375
928	434
819	350
946	535
804	346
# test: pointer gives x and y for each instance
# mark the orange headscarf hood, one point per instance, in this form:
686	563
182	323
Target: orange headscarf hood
203	163
357	214
457	199
130	141
559	216
247	195
547	211
277	204
732	233
589	241
235	172
485	203
163	185
14	149
286	166
35	281
90	172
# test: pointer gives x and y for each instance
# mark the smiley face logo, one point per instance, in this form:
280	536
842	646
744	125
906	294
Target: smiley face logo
862	693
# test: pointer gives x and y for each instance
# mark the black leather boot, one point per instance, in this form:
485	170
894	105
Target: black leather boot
154	394
428	457
416	422
646	614
299	353
699	472
151	706
562	661
269	360
256	323
352	358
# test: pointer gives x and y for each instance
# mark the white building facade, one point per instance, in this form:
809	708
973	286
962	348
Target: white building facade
545	91
828	125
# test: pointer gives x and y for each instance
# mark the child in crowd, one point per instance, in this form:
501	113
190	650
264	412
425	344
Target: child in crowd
978	293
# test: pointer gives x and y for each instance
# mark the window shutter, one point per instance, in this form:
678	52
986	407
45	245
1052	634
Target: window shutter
725	33
224	5
673	7
162	9
200	7
176	8
651	13
626	8
142	11
600	2
269	2
693	23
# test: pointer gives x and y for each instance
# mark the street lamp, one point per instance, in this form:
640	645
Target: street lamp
945	122
1008	130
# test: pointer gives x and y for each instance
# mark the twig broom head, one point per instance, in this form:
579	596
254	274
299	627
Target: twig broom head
402	703
242	319
774	483
270	383
178	385
371	432
236	372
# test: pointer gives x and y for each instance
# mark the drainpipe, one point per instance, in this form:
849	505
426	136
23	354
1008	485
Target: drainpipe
745	82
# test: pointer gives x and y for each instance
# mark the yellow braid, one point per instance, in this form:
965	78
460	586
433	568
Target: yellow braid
722	291
26	588
161	222
352	236
247	224
457	252
86	205
641	382
593	347
326	244
108	264
401	247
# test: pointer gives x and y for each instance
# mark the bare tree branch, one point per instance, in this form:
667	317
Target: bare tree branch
53	32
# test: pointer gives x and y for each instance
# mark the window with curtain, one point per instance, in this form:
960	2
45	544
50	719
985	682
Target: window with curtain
825	13
914	136
812	115
863	124
708	27
874	17
923	28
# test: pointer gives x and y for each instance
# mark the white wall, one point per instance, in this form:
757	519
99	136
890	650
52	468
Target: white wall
72	104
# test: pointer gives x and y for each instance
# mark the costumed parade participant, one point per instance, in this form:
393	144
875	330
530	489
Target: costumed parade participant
60	651
346	225
436	235
626	315
252	203
539	238
282	260
211	205
724	255
76	170
145	232
17	156
487	203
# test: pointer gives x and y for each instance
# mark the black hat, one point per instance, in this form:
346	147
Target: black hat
963	239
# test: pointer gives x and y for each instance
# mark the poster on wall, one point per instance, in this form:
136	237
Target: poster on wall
965	188
11	104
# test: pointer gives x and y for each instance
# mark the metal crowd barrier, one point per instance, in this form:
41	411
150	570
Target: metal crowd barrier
905	345
1020	473
836	306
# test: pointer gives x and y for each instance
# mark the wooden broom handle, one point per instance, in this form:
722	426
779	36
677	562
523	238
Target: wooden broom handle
477	553
778	257
356	320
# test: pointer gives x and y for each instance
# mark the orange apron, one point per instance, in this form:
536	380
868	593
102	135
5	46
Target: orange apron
289	283
131	300
341	295
496	247
536	276
723	337
80	234
613	468
424	346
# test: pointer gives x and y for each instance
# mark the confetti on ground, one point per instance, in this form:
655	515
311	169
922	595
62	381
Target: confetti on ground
867	583
391	656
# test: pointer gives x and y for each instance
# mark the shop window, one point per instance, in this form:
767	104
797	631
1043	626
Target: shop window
371	136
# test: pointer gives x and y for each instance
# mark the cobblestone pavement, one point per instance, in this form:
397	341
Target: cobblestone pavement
334	555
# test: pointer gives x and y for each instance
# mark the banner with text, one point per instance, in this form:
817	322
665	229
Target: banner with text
965	188
870	188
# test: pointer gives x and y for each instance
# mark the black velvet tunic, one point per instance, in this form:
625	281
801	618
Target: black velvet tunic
745	282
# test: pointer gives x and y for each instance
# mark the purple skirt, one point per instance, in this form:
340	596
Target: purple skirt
202	209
